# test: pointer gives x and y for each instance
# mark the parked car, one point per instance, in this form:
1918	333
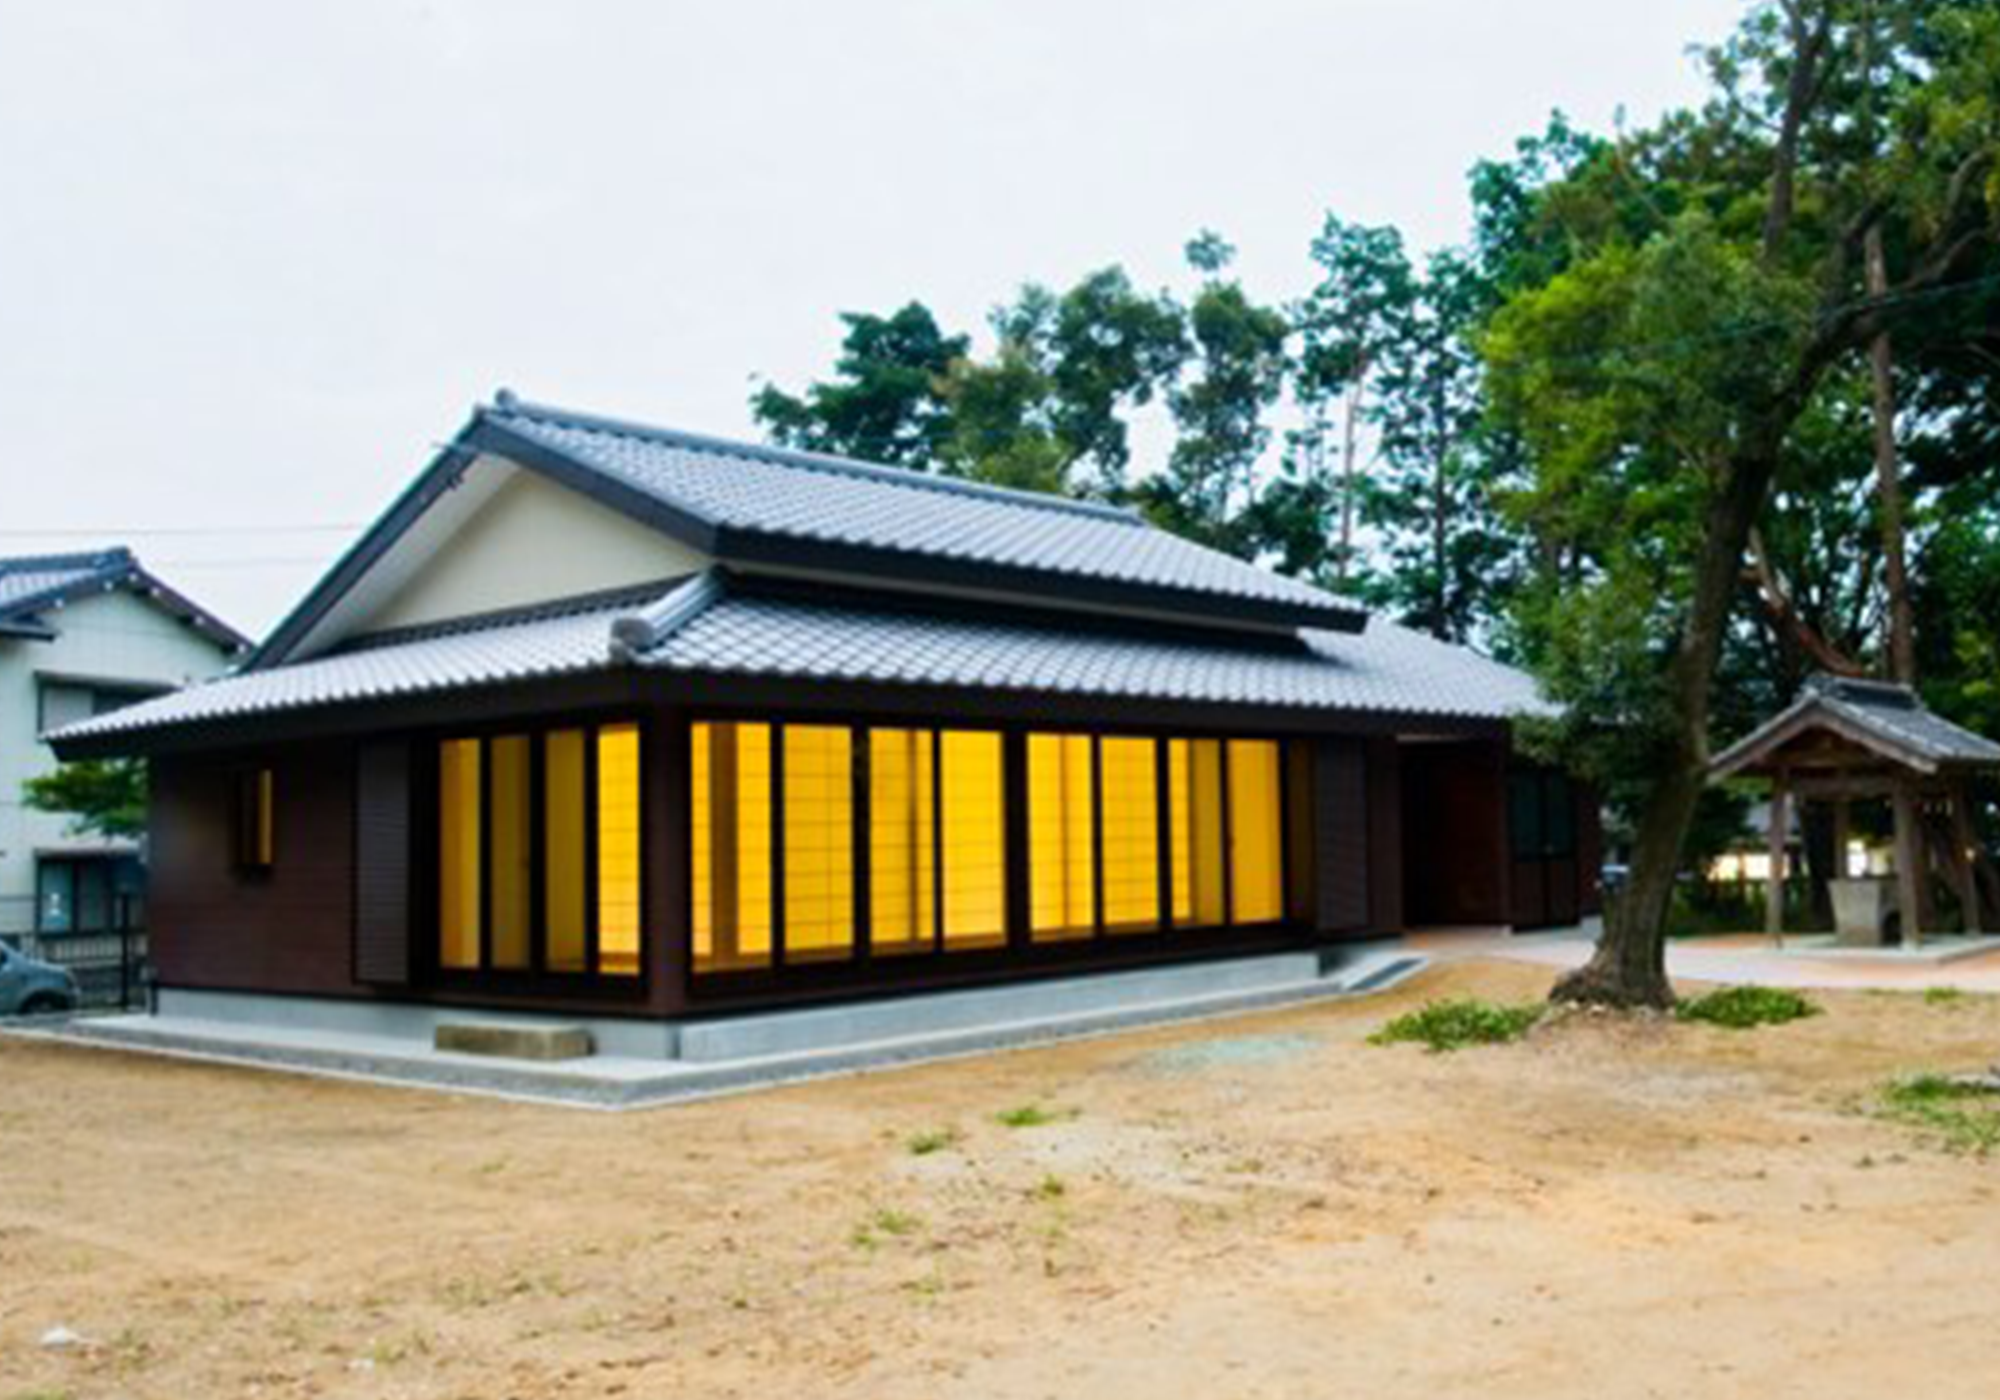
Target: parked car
30	987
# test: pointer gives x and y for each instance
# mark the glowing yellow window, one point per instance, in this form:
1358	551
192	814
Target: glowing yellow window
459	913
1194	805
974	840
819	842
618	916
565	886
1256	868
1062	844
730	812
1131	834
509	853
902	808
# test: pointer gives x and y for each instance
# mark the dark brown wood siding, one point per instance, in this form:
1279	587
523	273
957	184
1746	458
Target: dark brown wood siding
382	862
286	929
324	920
1385	836
1341	837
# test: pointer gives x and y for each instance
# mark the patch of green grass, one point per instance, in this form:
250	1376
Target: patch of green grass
1958	1116
1740	1008
1032	1115
933	1140
895	1224
1049	1188
1455	1024
1943	996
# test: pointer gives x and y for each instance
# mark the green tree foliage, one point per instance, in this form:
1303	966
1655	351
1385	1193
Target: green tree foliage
1446	557
105	796
1051	410
1688	351
884	403
1240	363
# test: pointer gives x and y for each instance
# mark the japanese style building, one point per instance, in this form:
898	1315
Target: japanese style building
604	719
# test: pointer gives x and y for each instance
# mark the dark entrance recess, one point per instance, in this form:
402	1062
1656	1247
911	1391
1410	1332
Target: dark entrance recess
1455	863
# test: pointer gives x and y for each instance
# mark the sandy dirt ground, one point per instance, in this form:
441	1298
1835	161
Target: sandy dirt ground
1266	1206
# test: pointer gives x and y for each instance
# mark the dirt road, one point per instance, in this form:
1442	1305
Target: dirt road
1266	1206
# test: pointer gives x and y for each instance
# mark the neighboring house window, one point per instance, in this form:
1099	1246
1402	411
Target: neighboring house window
256	821
540	884
66	702
55	897
1123	835
88	894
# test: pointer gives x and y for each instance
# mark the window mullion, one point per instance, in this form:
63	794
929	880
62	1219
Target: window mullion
1227	855
1163	835
776	817
591	885
1098	924
538	953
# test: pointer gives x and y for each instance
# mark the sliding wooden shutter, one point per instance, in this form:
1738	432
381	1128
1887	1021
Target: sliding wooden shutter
382	864
1340	834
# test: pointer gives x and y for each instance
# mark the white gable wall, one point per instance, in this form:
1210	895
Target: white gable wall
530	540
107	637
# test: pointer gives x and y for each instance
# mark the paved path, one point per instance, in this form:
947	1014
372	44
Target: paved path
1731	959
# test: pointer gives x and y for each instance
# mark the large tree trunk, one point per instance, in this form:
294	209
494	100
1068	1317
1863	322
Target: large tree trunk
1628	968
1888	481
1629	965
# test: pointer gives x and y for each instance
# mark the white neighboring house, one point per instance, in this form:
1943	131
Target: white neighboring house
81	634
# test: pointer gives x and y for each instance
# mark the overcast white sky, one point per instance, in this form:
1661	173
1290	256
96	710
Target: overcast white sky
256	258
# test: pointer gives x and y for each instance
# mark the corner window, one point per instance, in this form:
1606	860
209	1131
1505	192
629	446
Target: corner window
815	843
538	852
254	822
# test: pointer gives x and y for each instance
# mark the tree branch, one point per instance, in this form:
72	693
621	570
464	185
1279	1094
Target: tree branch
1785	615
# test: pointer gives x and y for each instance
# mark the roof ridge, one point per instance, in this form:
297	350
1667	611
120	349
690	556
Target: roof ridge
603	600
507	403
638	632
117	554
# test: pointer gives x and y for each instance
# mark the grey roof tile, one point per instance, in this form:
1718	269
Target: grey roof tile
737	486
493	655
27	584
699	626
1890	718
1386	668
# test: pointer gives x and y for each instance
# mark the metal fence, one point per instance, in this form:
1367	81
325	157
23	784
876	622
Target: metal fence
110	965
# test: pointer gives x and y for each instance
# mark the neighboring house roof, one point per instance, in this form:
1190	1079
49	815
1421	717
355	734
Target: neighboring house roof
724	625
1887	720
769	508
33	585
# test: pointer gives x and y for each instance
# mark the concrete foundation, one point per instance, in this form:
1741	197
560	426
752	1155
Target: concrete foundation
641	1063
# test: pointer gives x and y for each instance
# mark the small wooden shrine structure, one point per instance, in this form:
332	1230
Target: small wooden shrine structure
1844	740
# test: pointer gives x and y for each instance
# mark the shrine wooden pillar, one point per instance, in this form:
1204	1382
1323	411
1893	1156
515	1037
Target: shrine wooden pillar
1909	866
1774	890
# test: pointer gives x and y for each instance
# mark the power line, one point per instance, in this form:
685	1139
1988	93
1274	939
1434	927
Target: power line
70	532
277	561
